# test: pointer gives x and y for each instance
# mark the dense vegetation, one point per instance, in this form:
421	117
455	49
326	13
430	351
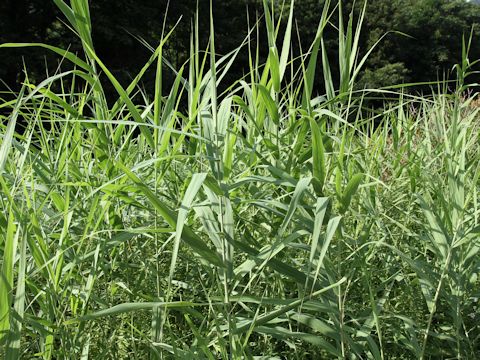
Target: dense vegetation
243	218
423	38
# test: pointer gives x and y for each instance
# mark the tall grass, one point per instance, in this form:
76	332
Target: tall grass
258	223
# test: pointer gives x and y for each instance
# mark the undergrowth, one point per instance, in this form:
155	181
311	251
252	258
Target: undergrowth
258	223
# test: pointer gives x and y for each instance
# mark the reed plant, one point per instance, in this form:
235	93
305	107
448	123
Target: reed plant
260	222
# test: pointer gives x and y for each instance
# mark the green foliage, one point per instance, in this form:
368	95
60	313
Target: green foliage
263	221
432	45
429	47
387	75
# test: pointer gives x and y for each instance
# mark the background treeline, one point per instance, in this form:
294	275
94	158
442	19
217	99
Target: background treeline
432	47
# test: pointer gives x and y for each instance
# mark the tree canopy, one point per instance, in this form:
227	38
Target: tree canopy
424	37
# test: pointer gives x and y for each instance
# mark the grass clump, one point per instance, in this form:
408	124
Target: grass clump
262	222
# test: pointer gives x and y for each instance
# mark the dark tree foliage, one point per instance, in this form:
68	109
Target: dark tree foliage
434	42
435	29
25	21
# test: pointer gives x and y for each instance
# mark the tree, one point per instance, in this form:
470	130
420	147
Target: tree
433	44
433	36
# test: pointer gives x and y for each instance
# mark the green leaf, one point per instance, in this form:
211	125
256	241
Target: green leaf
318	158
270	104
264	319
438	233
286	42
10	131
6	275
128	307
350	190
274	68
66	54
188	235
190	194
282	333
